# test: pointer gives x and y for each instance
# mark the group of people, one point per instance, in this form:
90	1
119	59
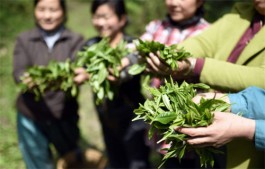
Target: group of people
228	55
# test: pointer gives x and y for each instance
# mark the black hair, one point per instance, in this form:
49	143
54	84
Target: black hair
62	4
117	5
200	11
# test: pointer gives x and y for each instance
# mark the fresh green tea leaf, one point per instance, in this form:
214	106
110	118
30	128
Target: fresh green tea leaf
171	107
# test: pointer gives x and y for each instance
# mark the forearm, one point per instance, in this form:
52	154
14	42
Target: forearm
231	77
246	128
249	102
221	75
252	130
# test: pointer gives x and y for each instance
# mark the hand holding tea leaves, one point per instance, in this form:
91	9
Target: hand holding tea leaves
81	76
172	107
102	60
225	128
54	76
27	80
169	55
99	60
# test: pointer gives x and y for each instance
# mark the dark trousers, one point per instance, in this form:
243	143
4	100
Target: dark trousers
125	141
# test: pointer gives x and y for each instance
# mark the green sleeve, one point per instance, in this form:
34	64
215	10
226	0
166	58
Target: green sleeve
232	77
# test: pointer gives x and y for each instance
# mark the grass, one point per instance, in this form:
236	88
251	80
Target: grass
10	156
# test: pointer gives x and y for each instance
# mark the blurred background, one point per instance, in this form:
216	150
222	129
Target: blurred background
17	16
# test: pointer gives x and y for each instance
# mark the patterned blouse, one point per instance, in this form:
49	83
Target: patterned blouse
167	32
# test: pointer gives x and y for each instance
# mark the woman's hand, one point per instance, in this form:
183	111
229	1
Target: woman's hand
111	77
125	62
27	80
225	127
81	75
158	67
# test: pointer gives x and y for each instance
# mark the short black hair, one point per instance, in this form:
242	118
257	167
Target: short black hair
117	5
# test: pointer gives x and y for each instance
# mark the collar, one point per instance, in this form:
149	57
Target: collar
259	18
36	34
52	33
184	24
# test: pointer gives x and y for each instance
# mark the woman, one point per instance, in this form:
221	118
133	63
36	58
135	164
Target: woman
230	57
54	118
184	19
227	64
124	139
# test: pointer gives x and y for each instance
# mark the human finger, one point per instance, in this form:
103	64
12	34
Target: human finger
194	132
201	142
158	62
79	70
152	66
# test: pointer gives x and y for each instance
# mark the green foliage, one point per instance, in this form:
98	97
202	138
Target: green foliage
54	76
172	107
98	59
168	54
12	16
10	156
141	12
216	9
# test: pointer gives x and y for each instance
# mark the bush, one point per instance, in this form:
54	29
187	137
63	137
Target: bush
15	16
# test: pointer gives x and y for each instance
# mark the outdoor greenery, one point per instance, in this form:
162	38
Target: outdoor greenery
17	16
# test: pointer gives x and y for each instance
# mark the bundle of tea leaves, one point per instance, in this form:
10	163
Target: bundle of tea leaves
98	59
54	76
168	54
172	107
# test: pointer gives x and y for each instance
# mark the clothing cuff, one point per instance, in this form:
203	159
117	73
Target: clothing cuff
198	67
238	104
260	134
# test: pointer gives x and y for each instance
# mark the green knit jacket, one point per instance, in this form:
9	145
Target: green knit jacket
215	45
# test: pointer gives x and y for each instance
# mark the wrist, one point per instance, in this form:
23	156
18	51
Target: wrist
191	64
248	128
